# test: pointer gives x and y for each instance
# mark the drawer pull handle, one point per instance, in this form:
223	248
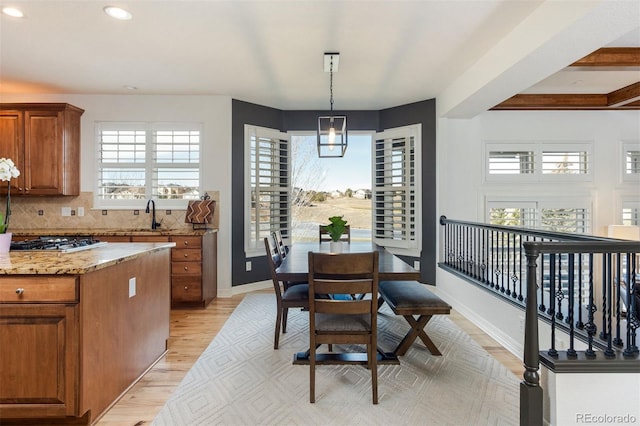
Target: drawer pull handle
186	268
186	255
186	288
19	291
186	243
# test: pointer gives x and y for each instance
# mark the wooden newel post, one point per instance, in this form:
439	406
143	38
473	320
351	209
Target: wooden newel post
530	391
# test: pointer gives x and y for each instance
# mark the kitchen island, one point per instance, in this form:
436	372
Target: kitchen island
78	329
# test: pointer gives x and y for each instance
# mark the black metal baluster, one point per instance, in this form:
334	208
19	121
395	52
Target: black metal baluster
579	323
559	292
590	327
617	340
571	352
606	271
502	262
552	287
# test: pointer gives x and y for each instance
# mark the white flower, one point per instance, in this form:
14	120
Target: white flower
8	170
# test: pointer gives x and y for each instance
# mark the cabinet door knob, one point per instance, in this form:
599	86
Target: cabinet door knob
186	255
186	268
186	243
186	288
19	291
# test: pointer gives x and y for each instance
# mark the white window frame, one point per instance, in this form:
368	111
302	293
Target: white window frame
406	242
538	148
628	177
539	204
254	246
149	164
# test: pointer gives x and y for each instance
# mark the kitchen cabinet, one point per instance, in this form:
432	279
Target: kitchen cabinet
40	373
194	270
43	140
72	343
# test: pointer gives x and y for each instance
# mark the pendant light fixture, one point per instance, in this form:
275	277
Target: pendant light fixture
332	129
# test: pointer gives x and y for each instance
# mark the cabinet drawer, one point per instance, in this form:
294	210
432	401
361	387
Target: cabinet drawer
38	289
187	242
186	268
186	255
186	289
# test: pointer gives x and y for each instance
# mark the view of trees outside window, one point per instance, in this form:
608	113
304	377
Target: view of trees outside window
325	187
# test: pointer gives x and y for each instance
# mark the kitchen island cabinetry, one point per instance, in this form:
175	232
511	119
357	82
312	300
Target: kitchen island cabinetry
78	329
43	140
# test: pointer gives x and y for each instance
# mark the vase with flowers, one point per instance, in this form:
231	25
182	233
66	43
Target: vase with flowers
8	170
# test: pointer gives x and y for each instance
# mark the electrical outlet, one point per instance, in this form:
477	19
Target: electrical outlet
248	265
80	211
416	265
132	287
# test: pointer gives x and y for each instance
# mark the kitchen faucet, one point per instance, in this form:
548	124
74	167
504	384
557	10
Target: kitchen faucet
154	224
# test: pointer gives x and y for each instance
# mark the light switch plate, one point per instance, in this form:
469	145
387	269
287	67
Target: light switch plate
132	287
65	211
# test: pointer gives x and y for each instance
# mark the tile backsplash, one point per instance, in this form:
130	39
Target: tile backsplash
46	212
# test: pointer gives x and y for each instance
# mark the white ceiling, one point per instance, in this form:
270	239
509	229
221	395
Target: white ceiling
271	52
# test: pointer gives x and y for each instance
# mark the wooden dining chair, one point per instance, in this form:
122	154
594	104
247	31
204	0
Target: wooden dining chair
323	235
294	296
336	321
284	249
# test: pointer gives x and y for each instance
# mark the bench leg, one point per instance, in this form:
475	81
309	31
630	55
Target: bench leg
417	330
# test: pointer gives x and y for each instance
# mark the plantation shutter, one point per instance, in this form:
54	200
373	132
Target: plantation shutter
269	190
395	188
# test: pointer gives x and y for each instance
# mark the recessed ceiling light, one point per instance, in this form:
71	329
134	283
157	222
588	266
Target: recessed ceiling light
12	11
117	13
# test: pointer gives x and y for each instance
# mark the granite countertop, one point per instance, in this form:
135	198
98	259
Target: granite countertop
109	231
79	262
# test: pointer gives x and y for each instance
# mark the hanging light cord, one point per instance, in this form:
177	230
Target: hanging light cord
331	84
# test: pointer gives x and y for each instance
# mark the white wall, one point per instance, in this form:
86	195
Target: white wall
461	190
214	112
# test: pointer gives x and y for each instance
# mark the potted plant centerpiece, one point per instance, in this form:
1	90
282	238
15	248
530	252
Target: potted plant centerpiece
335	228
8	170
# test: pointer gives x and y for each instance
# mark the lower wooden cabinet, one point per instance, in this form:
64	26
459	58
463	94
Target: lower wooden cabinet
194	270
194	266
39	349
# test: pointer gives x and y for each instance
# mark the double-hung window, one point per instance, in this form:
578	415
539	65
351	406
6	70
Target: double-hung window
396	189
267	186
138	161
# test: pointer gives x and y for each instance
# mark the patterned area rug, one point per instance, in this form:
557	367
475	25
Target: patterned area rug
241	380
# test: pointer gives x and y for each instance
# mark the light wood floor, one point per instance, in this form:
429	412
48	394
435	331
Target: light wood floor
191	332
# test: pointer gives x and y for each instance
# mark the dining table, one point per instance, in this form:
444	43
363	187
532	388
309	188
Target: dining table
295	268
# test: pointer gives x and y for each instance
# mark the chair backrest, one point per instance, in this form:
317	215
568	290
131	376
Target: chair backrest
274	259
277	235
323	234
345	273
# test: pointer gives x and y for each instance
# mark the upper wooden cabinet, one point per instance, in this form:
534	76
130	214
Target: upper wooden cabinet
43	140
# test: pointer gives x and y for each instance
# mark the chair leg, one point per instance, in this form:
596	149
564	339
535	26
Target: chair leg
373	364
277	336
285	315
312	375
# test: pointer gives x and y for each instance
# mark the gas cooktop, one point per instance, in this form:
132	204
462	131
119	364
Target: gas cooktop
60	244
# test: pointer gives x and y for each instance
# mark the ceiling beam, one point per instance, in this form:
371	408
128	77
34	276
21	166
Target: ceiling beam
611	57
625	98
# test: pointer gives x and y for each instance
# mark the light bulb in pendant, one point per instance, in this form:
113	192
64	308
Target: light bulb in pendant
332	137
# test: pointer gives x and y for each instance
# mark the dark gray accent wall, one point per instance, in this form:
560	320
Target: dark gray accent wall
247	113
422	112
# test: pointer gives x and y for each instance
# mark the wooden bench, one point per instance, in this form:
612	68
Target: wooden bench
410	299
